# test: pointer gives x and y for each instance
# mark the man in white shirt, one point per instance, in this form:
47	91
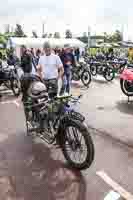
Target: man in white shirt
50	68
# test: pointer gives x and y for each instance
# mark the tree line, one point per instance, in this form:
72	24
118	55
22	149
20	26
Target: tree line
19	32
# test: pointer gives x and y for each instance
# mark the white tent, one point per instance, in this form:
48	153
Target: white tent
38	42
18	42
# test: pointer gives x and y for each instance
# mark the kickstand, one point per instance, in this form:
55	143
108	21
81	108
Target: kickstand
128	101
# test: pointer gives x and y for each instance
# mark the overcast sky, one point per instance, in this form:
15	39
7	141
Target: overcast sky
100	15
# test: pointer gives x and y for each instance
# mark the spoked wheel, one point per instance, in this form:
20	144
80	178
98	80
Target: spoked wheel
77	145
93	70
86	78
109	74
75	76
126	87
121	69
15	86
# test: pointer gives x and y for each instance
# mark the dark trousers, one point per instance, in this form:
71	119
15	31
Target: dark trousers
67	82
52	87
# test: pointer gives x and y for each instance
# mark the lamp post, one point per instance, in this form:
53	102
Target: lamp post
88	36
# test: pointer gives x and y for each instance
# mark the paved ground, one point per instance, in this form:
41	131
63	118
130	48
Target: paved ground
34	171
107	110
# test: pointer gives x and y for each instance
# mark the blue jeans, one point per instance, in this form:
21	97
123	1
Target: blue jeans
67	82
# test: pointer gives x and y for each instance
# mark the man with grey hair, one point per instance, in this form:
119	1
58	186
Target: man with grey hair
50	68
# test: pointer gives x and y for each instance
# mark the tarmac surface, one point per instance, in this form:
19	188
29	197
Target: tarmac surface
33	170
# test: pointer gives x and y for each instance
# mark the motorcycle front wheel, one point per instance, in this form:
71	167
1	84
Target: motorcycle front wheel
93	70
86	78
126	87
77	145
109	74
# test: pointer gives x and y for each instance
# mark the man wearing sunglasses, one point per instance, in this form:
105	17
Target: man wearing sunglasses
50	68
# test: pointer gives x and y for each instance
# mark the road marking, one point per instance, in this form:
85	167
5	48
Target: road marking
16	103
112	196
6	102
13	101
126	195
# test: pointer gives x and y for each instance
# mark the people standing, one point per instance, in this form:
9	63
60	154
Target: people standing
38	55
50	69
68	61
77	54
26	60
12	59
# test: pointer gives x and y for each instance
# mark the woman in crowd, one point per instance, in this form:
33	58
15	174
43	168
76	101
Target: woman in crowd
68	61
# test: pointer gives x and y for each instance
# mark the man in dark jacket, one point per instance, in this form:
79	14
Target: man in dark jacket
12	59
26	61
68	61
77	54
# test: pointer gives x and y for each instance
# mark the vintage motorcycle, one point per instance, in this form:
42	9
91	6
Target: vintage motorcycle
126	81
54	120
81	72
9	78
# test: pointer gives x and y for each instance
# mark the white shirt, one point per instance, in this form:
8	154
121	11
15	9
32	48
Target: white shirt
50	65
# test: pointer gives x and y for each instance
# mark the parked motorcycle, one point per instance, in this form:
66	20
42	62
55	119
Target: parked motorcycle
10	79
102	69
81	72
55	120
126	81
118	65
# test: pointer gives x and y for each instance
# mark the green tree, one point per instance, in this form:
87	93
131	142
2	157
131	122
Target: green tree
117	36
34	34
19	31
3	39
68	33
56	35
45	35
50	35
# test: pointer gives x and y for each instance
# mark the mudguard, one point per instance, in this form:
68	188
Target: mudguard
127	74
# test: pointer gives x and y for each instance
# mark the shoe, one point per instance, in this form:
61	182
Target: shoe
66	94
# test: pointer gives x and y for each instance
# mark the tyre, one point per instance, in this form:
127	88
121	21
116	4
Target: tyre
72	142
93	70
126	87
15	86
121	69
109	74
86	78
